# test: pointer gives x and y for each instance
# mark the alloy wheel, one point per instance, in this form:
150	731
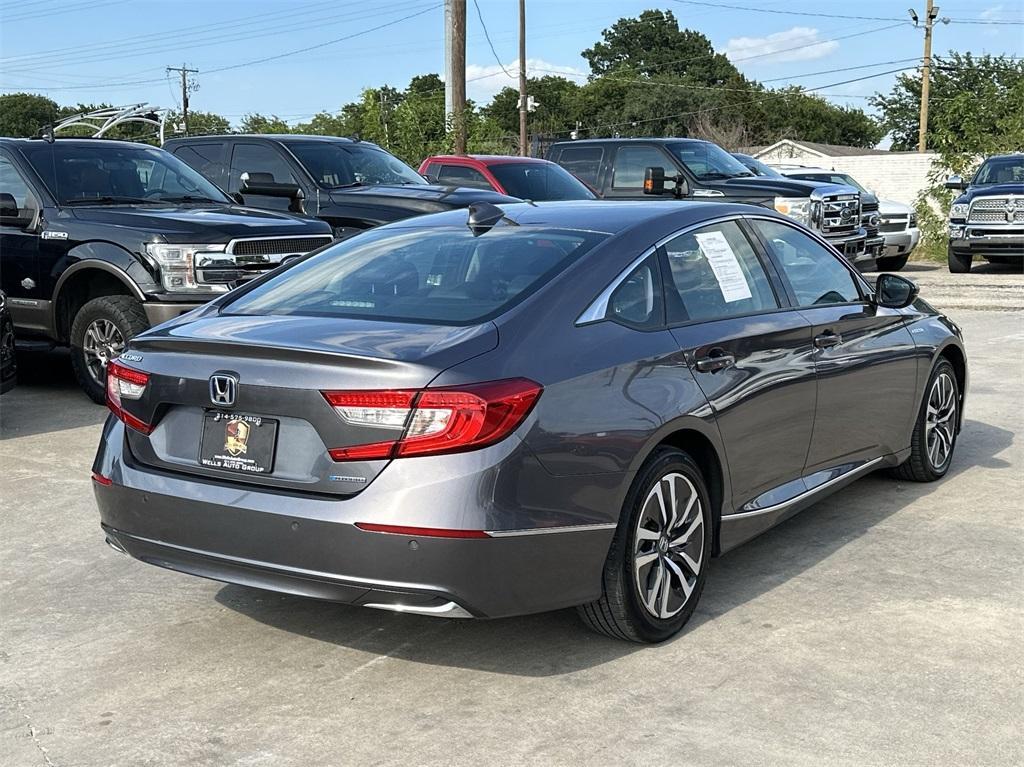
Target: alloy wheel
102	342
669	545
940	423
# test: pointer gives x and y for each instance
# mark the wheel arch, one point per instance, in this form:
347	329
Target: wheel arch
956	357
84	281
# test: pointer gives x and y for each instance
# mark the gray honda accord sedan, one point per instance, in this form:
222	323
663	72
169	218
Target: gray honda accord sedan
506	410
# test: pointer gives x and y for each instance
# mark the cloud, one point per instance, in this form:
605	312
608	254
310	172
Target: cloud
796	44
482	82
993	13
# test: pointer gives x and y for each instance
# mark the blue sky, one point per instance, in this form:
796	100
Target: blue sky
117	50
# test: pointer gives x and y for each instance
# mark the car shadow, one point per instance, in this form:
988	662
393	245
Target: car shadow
47	398
979	267
556	643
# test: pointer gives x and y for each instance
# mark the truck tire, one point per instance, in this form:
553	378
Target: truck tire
99	332
958	264
892	263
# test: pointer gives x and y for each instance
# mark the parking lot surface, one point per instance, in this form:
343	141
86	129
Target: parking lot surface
883	626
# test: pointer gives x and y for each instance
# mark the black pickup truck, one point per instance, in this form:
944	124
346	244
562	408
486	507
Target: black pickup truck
987	219
100	239
624	169
352	185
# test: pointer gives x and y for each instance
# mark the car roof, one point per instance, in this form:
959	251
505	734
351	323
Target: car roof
645	139
490	159
291	138
593	215
75	141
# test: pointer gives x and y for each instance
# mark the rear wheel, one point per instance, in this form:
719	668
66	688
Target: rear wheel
99	333
935	432
958	264
657	564
892	263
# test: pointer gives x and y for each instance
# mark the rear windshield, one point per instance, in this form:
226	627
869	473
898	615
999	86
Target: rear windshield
441	276
538	182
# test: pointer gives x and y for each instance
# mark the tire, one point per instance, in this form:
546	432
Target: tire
633	605
958	264
934	424
98	333
892	263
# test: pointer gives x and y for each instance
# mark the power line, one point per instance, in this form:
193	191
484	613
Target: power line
786	13
487	35
64	9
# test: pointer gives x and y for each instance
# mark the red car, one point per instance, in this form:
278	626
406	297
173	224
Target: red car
528	178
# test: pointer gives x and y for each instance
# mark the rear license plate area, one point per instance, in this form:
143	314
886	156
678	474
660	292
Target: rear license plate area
245	444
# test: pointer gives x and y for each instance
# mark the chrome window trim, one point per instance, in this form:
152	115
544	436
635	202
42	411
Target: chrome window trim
597	310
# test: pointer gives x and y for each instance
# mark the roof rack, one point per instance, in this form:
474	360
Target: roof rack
102	120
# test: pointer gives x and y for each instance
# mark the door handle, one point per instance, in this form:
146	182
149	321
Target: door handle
827	340
716	360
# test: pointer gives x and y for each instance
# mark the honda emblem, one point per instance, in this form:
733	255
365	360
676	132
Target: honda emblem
223	389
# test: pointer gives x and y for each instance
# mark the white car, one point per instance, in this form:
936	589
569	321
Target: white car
898	221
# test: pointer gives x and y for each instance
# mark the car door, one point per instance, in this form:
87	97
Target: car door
19	247
628	166
750	353
260	158
864	354
206	157
584	162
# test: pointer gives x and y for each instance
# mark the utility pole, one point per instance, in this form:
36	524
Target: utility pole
186	88
455	70
523	105
930	16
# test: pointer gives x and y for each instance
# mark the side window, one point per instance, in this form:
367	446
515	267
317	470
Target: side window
14	192
638	300
583	162
630	163
258	158
816	275
208	159
460	175
713	273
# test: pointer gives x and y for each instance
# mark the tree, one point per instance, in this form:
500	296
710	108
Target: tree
22	115
557	106
199	124
976	108
654	44
257	123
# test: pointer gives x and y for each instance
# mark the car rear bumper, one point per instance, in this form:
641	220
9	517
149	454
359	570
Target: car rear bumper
311	546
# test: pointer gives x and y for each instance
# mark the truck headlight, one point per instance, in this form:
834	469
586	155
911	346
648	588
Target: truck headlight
178	266
959	210
797	208
912	222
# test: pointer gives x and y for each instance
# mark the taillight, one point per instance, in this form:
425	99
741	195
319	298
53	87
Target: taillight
434	421
125	383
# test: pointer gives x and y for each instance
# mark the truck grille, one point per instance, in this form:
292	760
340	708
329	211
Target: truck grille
997	210
840	214
897	222
277	246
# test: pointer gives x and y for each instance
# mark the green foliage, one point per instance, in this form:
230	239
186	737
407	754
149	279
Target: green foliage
199	124
23	114
257	123
976	109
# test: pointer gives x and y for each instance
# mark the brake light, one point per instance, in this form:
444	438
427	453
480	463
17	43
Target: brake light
124	383
434	421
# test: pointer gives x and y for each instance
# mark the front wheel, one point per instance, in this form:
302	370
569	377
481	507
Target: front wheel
99	333
958	264
657	564
935	431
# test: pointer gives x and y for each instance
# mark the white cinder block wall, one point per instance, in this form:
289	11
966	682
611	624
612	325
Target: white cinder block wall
898	176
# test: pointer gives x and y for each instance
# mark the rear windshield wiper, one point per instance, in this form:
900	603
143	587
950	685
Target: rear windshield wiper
110	200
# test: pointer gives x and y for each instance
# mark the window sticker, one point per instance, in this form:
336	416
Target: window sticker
731	279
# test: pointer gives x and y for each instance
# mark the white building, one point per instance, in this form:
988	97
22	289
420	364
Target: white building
899	176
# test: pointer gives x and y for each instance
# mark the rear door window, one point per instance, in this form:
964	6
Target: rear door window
14	192
442	276
584	162
713	273
207	158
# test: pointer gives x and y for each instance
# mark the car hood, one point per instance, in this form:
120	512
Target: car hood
993	190
200	223
425	197
891	207
778	187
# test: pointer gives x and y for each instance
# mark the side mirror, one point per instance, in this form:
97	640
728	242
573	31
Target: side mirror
11	215
894	292
264	184
654	181
955	182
